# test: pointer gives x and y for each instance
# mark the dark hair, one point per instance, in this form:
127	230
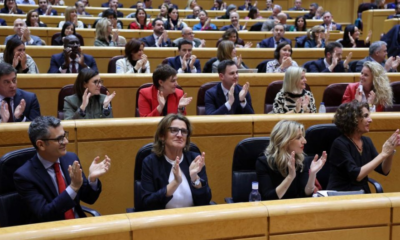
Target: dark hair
8	56
228	32
252	12
277	53
349	29
219	4
347	116
145	17
226	63
39	128
168	17
163	72
29	15
67	24
5	5
155	20
6	69
83	77
184	42
330	47
109	12
305	23
162	129
205	12
133	46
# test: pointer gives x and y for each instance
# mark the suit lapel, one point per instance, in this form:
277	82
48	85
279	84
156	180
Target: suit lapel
221	98
42	175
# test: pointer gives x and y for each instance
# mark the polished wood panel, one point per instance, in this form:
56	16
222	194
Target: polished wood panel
374	20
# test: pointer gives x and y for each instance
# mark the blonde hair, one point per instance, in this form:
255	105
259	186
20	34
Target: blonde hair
225	49
277	152
311	32
189	3
381	84
68	12
291	79
101	29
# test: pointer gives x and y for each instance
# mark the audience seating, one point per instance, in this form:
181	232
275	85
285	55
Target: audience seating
112	64
306	65
262	67
244	167
55	36
396	98
208	65
200	109
353	65
333	95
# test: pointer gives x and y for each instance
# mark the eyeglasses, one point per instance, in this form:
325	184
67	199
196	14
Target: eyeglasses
60	139
97	82
190	33
175	131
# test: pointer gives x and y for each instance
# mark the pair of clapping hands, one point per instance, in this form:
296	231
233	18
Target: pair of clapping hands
5	114
86	96
195	167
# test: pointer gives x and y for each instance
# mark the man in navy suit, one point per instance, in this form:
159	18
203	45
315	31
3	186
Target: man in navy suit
185	62
297	6
107	4
313	9
234	17
228	97
45	9
397	12
71	60
272	42
378	53
159	37
328	24
247	6
196	11
16	105
22	32
52	183
332	61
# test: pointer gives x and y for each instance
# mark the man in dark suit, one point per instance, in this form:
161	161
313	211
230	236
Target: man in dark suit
107	4
272	42
52	182
185	62
196	11
23	33
328	24
45	8
188	35
313	9
297	6
228	97
71	60
16	105
378	53
332	61
246	7
397	12
159	37
234	17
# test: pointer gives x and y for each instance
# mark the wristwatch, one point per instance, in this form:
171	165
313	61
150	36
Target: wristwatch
182	109
196	183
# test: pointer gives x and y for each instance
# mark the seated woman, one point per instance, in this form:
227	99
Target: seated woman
14	54
293	97
71	16
227	51
88	102
173	22
11	7
232	35
172	176
163	11
351	35
219	5
105	36
205	22
33	19
191	4
135	60
283	59
163	97
353	156
300	25
316	37
281	171
254	13
67	29
141	21
373	88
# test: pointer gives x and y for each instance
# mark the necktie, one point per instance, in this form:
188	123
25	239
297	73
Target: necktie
227	96
11	118
74	67
61	188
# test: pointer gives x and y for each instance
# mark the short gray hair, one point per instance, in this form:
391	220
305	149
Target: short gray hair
278	6
6	69
376	46
39	128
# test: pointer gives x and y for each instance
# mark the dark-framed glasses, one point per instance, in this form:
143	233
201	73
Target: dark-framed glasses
97	82
59	139
175	131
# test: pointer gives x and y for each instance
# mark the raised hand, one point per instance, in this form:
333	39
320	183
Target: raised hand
368	38
161	101
286	62
359	93
196	166
177	171
352	40
244	91
305	102
248	45
115	35
26	34
317	164
22	58
348	59
203	42
4	113
299	101
239	61
292	166
231	96
108	99
192	61
371	97
15	60
144	61
255	4
98	168
184	101
75	173
172	27
85	99
391	143
19	110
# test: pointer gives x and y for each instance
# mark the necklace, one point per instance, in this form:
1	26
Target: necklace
359	149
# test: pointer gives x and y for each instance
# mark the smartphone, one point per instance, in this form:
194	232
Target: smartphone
360	88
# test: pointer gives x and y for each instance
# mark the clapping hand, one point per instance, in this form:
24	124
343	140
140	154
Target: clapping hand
304	102
19	110
172	27
85	99
248	45
244	91
184	101
391	143
98	168
196	166
369	36
231	96
22	59
359	93
4	113
161	101
239	61
347	61
108	99
115	35
192	61
371	97
317	164
75	173
144	61
177	171
352	40
292	166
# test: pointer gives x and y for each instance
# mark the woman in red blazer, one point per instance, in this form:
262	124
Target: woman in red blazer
141	21
163	97
375	90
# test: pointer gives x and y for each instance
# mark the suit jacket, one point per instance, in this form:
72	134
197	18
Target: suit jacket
391	38
295	9
174	5
36	40
107	5
148	102
175	62
215	102
150	41
3	22
155	175
338	26
270	42
40	11
319	66
191	16
360	64
36	188
6	11
393	16
197	42
243	7
32	107
226	27
350	94
57	60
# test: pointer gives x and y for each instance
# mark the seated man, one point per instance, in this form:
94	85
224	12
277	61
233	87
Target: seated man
139	4
45	8
328	24
332	61
114	6
111	15
297	6
52	182
16	105
188	35
247	5
281	18
71	59
378	53
313	9
195	15
159	37
397	12
275	11
228	97
272	42
185	62
107	4
80	9
234	17
23	33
